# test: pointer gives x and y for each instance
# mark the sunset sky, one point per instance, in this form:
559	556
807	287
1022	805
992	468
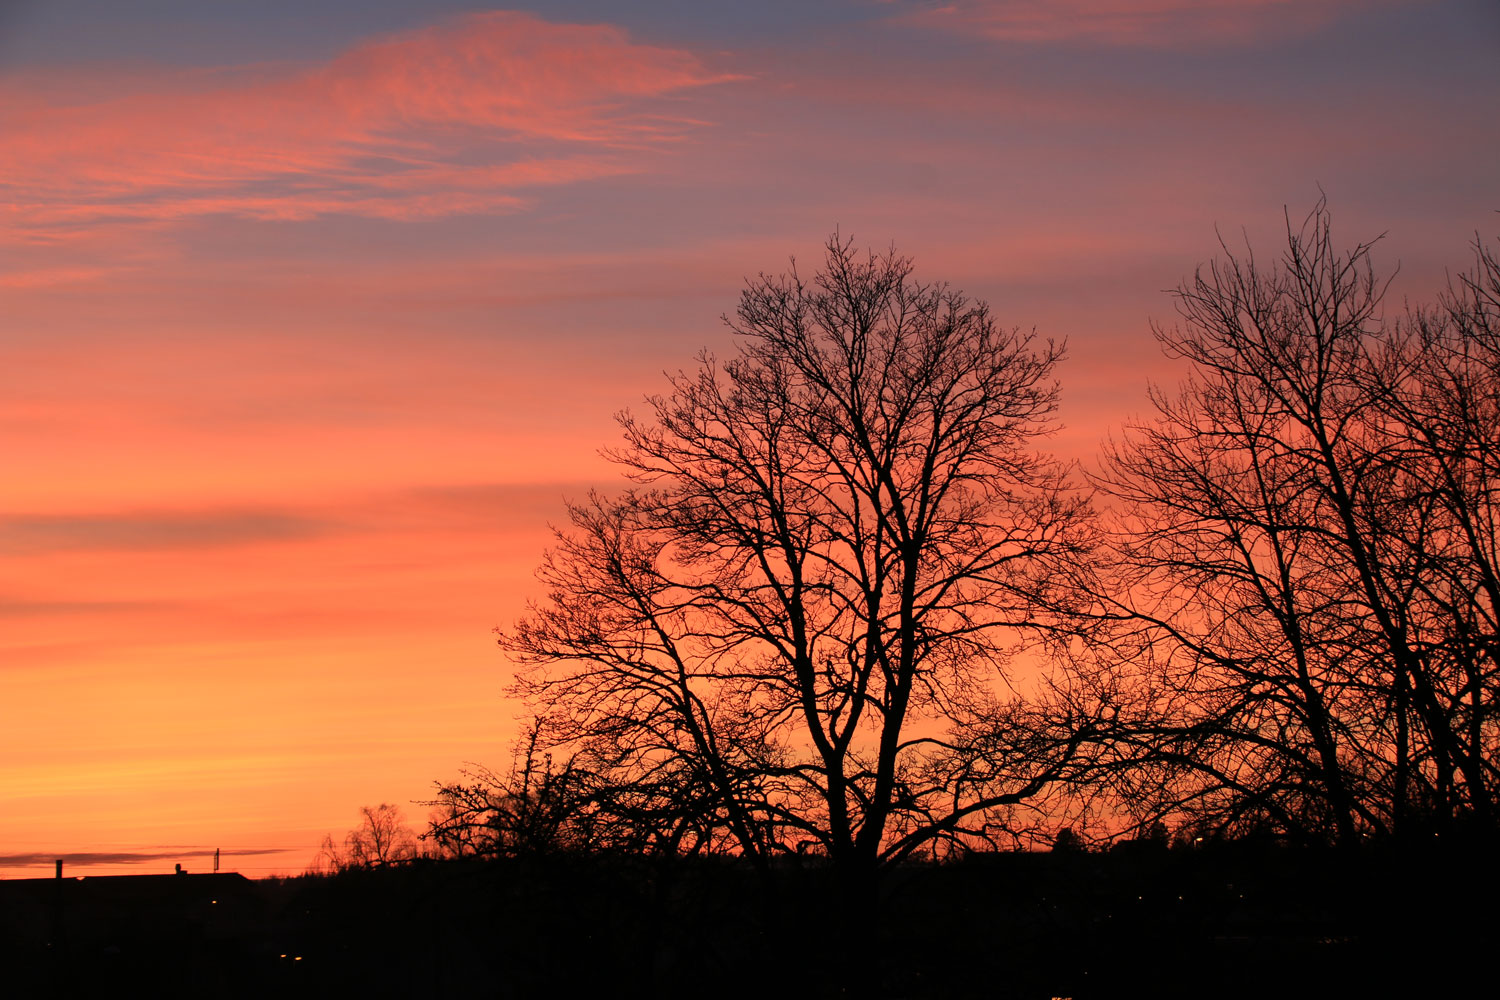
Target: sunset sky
312	313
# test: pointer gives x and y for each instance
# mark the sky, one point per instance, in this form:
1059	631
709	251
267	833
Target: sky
312	314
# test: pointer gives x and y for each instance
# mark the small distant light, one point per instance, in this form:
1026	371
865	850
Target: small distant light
297	959
283	956
214	901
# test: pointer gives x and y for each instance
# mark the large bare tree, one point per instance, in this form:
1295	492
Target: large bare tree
801	613
1309	549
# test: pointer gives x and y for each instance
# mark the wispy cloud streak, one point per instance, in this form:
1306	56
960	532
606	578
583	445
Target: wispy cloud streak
30	534
1148	23
467	116
125	857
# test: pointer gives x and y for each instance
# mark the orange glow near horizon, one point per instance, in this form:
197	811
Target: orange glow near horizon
304	341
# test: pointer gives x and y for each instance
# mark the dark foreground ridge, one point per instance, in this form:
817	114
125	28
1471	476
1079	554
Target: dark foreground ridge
1234	920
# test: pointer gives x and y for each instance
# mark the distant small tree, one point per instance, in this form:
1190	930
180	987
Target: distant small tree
381	839
1158	834
535	809
545	807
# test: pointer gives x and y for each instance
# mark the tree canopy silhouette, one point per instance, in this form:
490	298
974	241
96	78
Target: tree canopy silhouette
381	839
791	627
1311	549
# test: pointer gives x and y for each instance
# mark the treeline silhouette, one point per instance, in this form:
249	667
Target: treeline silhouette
1242	919
848	611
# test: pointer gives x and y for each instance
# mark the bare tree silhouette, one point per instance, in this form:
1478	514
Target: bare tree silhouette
543	807
791	628
381	839
1309	549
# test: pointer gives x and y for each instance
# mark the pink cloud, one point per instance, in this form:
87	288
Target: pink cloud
468	116
50	277
1150	23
